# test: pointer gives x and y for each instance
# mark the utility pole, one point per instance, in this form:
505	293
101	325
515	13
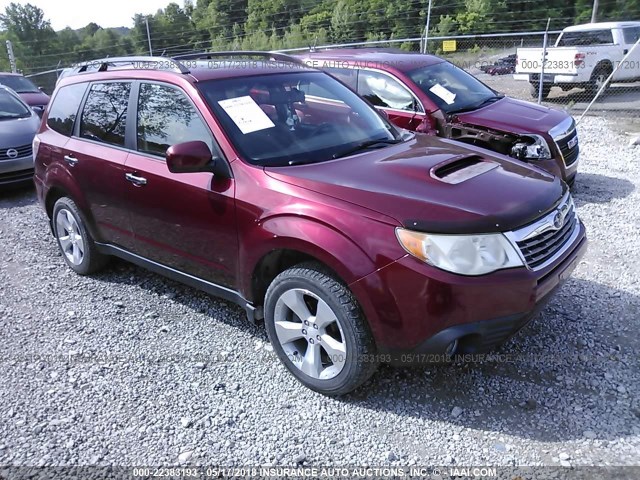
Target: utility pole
12	58
594	12
146	21
426	28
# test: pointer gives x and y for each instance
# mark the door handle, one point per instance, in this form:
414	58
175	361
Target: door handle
135	179
625	51
70	159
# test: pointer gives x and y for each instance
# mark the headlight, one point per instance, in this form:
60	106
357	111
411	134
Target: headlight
538	150
463	254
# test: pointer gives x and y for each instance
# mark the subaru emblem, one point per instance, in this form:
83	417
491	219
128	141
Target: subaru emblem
12	153
557	220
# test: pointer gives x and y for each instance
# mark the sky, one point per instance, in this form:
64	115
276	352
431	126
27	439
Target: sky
106	13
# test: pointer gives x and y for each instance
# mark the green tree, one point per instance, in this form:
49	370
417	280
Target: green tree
30	33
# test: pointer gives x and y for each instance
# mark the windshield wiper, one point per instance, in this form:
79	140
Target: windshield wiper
476	106
367	145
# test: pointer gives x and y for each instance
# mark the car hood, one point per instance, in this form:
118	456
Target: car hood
434	185
35	98
18	132
514	116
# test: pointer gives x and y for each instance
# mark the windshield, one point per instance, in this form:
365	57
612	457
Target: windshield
295	118
11	107
19	84
451	88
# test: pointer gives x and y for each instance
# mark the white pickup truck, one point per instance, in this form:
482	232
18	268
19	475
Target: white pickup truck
583	56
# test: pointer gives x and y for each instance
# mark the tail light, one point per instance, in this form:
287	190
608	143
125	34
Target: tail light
578	59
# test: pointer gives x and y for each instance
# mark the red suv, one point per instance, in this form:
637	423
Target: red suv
427	94
355	242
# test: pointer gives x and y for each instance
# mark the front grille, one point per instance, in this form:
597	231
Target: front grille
540	248
23	151
569	154
11	177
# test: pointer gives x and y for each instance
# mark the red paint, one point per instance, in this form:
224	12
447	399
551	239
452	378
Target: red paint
342	212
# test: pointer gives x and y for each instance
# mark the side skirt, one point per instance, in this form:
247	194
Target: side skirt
253	313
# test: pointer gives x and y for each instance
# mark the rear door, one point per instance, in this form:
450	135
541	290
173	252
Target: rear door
187	220
95	155
389	94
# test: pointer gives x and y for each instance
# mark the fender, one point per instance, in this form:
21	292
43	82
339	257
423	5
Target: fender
58	177
312	237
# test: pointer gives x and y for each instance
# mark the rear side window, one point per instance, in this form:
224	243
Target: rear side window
631	34
64	109
587	37
167	117
105	113
346	75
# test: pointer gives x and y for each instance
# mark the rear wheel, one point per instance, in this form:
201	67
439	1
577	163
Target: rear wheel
318	331
76	245
535	88
598	79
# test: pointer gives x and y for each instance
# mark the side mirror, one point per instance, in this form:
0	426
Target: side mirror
41	89
190	157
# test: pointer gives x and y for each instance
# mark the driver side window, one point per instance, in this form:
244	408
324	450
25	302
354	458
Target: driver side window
166	117
384	91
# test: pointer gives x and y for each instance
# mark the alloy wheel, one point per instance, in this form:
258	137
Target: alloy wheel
68	232
310	334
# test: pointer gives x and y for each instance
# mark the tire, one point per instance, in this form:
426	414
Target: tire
344	357
77	247
598	77
534	90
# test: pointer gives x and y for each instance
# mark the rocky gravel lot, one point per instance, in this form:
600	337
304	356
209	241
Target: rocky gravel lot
128	368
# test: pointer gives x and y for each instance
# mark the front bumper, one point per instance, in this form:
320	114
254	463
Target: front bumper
16	170
415	308
558	168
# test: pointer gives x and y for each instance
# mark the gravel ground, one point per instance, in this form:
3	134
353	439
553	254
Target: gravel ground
127	368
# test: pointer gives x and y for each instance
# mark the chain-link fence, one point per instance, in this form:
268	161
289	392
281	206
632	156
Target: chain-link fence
493	59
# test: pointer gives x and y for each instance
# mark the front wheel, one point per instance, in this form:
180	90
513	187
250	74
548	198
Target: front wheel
318	331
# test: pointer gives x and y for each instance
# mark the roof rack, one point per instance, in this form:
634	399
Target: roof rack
283	57
175	64
105	63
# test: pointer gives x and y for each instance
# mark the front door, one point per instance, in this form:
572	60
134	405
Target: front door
388	94
182	220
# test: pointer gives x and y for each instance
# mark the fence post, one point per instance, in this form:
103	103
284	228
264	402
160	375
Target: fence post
426	28
544	60
12	58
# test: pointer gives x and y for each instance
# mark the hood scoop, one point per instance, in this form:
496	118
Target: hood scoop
462	168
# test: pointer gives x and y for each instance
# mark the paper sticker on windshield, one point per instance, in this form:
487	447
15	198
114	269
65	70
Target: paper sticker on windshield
246	114
446	95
